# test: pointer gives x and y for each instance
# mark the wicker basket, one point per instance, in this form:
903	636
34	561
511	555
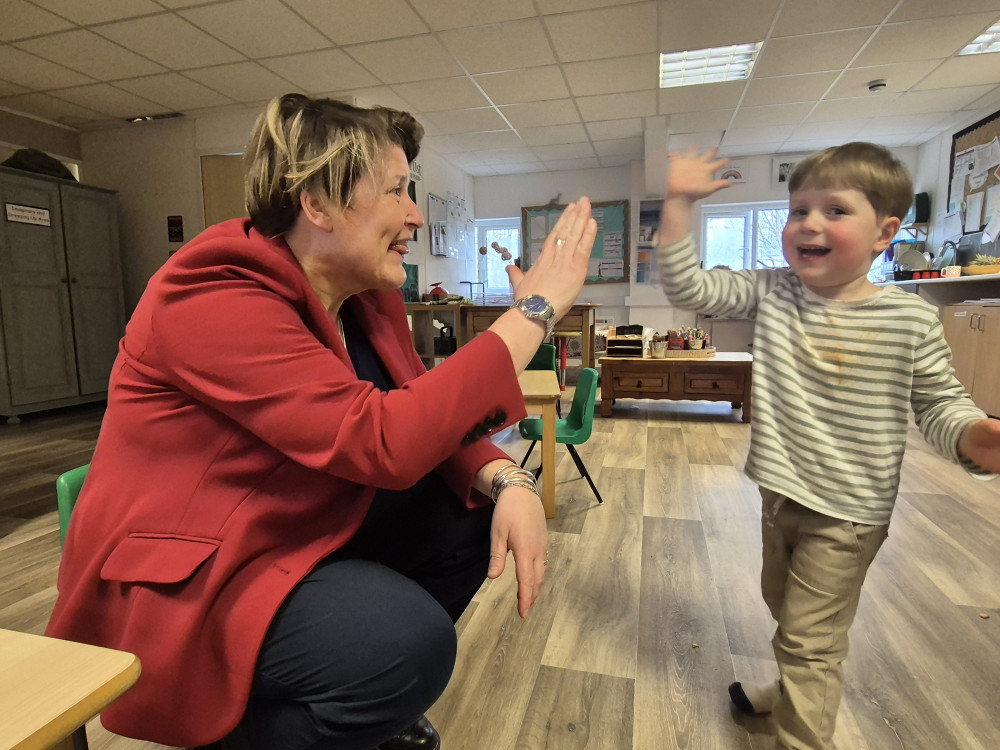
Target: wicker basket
980	270
690	353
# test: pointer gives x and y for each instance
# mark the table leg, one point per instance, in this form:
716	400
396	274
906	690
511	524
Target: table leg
549	458
589	344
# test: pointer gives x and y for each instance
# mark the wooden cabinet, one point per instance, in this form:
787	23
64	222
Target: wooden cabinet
973	333
422	317
61	300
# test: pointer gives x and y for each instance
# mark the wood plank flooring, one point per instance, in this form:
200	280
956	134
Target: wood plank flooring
651	605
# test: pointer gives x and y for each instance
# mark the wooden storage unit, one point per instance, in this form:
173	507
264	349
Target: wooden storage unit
422	317
61	298
724	377
580	319
973	333
624	346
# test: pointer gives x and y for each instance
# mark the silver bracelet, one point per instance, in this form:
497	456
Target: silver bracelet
516	483
512	475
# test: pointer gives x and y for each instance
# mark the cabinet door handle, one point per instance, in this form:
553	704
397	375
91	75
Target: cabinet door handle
714	384
972	321
981	325
638	384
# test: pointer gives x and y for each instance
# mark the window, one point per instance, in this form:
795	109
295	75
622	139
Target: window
506	233
743	235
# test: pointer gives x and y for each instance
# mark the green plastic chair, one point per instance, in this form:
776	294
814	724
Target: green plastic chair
68	487
67	490
574	429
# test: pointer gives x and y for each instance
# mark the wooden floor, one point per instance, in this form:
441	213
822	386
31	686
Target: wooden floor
651	605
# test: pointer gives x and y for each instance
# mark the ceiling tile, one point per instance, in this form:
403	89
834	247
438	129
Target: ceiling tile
784	89
706	96
750	149
608	76
32	71
909	124
939	100
535	114
736	136
772	114
714	23
285	33
488	141
351	22
565	6
554	134
811	16
10	89
467	120
608	32
568	165
900	77
90	54
415	58
963	71
243	82
526	167
514	44
611	129
696	122
378	96
633	146
618	160
170	41
21	20
104	97
507	156
480	170
323	70
443	144
441	94
106	10
709	139
617	106
175	92
809	53
912	10
845	109
825	130
526	85
919	40
453	14
50	108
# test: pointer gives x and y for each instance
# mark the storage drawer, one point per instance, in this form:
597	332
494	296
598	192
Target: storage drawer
658	382
728	383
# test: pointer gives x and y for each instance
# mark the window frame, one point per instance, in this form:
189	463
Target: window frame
747	210
482	226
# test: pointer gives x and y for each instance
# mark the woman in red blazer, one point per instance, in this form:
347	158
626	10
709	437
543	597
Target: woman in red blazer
285	513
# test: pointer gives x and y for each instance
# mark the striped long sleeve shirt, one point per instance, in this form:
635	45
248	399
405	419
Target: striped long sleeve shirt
833	383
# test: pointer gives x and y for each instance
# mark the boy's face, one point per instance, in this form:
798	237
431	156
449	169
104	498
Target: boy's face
831	238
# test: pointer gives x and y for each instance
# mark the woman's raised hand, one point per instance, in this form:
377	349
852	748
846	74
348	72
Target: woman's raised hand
692	175
559	272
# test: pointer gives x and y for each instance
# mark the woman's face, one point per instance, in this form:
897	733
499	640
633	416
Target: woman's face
369	238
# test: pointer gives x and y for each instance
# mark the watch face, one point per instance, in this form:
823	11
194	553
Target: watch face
536	304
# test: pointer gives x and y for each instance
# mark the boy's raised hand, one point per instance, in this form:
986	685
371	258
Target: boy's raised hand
691	175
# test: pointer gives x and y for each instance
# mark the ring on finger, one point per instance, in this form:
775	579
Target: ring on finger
560	241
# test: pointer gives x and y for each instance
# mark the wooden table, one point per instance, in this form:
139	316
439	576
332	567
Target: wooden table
724	377
580	319
541	391
50	687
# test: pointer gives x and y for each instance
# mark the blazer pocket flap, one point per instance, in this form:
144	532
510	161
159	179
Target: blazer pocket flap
157	558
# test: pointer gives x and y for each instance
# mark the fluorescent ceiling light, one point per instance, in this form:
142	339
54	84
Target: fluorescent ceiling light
707	65
987	42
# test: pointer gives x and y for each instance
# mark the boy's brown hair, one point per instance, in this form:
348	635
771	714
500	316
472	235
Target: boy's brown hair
872	169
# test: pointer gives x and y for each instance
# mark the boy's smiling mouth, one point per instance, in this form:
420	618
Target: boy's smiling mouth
813	251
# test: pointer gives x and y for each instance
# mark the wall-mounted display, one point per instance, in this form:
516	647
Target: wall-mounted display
609	260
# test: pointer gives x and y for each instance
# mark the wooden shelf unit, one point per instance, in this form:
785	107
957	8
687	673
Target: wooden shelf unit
625	346
422	317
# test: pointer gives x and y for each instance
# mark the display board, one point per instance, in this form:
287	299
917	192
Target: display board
974	185
609	260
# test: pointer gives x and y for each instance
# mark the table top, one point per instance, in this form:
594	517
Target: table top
49	687
719	357
539	384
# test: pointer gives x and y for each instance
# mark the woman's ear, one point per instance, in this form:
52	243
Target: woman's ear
315	211
890	227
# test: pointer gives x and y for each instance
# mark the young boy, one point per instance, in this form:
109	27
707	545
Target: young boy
838	364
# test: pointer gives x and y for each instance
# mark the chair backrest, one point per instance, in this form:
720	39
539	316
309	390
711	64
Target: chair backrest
579	423
544	359
67	490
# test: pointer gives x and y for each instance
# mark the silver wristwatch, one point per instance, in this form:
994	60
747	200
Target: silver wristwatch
538	308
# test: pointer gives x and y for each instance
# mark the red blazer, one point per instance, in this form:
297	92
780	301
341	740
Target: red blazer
238	449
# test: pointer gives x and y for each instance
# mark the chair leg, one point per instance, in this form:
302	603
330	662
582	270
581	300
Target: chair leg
80	739
583	471
530	448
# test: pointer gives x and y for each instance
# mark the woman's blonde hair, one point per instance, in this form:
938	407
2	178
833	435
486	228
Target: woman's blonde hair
319	146
867	167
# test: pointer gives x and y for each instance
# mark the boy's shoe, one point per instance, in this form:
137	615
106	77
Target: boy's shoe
755	700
